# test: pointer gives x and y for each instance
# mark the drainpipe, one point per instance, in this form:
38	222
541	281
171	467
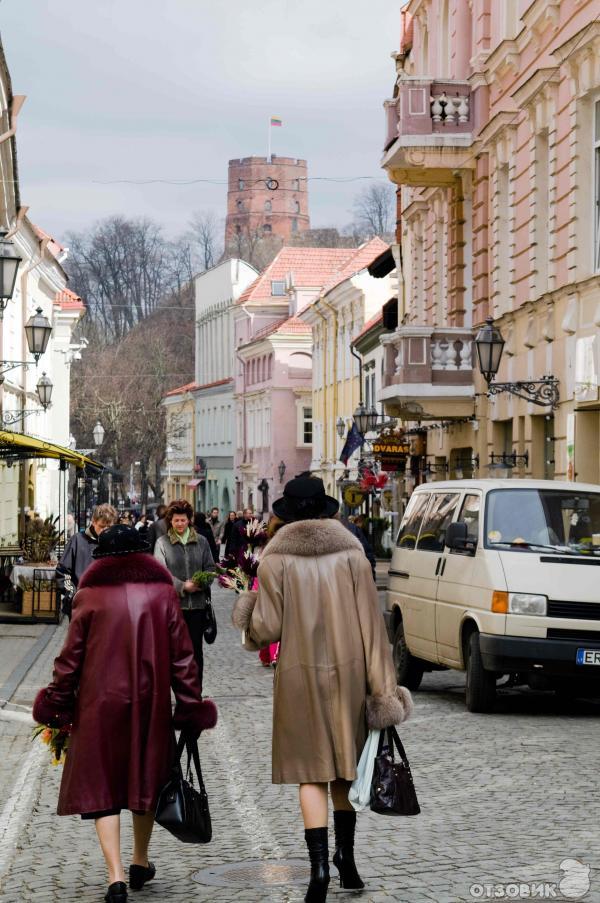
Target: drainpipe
335	356
324	319
360	366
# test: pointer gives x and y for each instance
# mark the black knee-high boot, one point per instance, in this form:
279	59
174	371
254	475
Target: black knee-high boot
318	852
344	823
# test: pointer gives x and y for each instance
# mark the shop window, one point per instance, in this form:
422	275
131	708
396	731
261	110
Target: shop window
432	537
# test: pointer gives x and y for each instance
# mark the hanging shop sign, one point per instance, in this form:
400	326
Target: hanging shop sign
353	495
391	452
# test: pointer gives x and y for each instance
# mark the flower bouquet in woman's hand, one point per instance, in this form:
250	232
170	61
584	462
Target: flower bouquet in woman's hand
204	579
56	739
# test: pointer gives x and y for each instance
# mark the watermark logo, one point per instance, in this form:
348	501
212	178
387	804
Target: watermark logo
576	881
574	885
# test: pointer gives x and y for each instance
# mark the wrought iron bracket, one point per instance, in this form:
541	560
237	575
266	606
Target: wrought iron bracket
16	416
542	392
5	366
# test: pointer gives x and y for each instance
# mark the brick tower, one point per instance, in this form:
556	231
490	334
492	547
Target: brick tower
254	203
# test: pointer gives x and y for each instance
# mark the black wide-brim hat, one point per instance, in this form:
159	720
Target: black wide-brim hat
120	540
304	498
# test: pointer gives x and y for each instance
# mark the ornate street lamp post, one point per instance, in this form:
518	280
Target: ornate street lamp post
98	434
44	390
490	345
37	333
281	469
9	266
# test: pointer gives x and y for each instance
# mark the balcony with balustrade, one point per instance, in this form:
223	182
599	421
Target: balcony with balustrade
428	373
429	131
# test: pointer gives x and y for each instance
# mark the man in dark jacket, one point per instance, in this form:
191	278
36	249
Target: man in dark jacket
239	537
78	554
367	547
158	527
203	529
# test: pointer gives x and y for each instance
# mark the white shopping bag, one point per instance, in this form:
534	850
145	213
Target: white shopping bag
360	790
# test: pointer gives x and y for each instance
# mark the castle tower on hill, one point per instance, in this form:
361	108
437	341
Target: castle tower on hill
270	197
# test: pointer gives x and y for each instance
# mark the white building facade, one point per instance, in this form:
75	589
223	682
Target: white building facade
216	292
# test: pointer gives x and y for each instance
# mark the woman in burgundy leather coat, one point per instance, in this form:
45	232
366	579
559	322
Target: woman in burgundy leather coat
127	646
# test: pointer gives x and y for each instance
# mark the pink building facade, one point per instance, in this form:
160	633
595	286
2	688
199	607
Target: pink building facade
273	372
493	133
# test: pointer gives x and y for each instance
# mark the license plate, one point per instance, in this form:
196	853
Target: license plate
588	657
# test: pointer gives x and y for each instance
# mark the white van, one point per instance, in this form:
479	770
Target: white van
498	577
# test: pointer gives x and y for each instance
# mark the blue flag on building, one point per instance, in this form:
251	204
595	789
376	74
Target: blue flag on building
353	441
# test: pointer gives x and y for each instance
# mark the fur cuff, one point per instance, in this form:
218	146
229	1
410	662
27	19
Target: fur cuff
384	711
242	610
201	719
47	712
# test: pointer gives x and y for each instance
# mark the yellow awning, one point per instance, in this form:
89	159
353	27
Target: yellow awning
39	448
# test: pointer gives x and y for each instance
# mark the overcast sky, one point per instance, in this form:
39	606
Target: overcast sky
171	89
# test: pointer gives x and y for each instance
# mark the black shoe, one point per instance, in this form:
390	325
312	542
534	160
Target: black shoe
116	893
316	841
139	875
344	824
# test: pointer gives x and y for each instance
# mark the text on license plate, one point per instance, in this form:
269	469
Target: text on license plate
588	657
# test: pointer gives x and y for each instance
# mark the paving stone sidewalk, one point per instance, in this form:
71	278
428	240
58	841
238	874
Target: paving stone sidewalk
505	798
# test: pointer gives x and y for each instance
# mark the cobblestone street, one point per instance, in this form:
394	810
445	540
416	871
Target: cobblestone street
505	798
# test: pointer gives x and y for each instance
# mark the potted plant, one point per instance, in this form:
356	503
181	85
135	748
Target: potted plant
40	539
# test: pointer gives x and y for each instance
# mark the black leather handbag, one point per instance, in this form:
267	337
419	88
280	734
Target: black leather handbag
182	809
392	789
210	623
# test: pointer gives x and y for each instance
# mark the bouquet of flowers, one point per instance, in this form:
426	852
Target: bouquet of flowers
203	579
56	739
240	574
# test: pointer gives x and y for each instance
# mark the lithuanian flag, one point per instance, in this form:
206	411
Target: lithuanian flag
275	120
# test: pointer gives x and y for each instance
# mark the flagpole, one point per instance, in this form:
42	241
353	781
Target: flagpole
269	143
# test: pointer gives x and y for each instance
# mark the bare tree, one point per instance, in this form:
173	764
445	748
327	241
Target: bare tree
252	244
374	210
204	237
122	268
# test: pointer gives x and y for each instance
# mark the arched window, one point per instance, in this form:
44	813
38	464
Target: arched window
240	204
270	367
267	227
296	206
241	185
268	206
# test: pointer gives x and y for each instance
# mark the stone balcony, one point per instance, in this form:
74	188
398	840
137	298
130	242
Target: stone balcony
428	373
429	131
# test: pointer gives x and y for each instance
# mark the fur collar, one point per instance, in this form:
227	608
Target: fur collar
174	536
138	567
311	538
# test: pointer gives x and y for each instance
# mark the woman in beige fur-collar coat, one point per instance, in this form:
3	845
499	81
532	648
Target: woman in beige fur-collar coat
335	677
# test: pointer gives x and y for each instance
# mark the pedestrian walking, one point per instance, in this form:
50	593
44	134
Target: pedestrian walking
203	528
126	648
335	677
158	527
216	525
183	552
361	536
77	555
228	532
239	538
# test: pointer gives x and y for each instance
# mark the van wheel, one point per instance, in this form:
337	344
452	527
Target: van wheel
409	669
481	684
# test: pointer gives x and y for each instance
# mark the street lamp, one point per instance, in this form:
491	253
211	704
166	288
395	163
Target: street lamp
490	345
281	470
37	332
98	434
340	425
9	265
362	419
44	390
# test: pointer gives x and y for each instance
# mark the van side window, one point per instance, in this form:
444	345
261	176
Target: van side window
433	530
469	514
409	528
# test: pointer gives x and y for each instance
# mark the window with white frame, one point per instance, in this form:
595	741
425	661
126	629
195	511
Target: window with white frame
597	186
307	426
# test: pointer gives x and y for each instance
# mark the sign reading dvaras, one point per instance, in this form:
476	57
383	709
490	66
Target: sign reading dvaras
391	450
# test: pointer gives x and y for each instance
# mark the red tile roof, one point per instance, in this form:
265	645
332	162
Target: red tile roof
360	260
374	321
287	326
68	300
311	268
218	382
180	390
54	246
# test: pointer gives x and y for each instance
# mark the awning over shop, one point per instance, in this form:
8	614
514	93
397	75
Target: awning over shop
18	446
193	484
